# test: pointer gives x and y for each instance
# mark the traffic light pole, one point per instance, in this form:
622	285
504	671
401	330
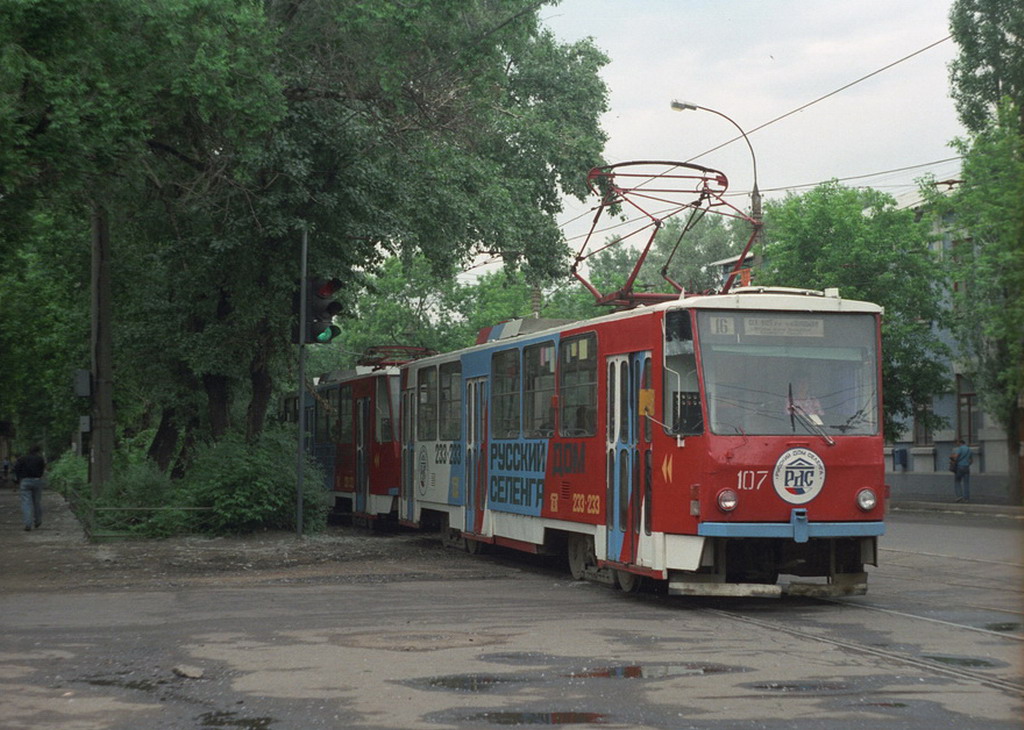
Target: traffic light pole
301	457
101	456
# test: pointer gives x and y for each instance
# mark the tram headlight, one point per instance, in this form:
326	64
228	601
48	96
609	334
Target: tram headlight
727	500
867	500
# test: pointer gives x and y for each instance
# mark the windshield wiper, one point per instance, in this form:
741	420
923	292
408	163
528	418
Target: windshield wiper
811	421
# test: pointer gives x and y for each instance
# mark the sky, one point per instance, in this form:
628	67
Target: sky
755	60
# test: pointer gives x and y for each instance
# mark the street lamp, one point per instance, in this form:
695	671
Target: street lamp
755	195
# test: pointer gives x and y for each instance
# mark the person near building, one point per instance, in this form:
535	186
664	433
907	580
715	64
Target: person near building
960	464
29	470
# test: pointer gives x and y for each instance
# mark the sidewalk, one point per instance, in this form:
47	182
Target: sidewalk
61	530
973	508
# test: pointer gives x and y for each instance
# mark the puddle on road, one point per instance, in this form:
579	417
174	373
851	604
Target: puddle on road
469	682
231	719
522	657
498	717
1002	627
961	661
803	687
650	671
488	682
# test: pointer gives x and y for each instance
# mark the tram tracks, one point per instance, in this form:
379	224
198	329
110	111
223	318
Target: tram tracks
966	674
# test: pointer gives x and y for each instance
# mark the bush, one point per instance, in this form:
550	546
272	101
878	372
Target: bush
251	486
69	475
141	500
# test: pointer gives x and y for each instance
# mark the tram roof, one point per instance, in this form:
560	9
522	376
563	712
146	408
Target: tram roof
759	298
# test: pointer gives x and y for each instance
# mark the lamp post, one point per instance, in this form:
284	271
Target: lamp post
755	195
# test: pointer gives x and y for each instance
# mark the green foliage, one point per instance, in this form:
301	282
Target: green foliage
43	333
858	241
987	264
139	500
990	65
685	254
69	475
251	486
213	131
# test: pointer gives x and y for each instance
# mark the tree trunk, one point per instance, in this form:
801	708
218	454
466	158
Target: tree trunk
218	400
184	458
161	450
262	387
101	462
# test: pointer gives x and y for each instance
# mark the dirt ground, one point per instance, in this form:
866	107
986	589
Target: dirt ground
58	556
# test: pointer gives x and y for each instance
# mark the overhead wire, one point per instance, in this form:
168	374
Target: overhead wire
822	98
800	109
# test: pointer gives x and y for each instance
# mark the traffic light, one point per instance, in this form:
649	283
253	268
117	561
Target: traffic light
320	310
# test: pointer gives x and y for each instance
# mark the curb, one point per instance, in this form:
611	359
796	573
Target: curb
995	510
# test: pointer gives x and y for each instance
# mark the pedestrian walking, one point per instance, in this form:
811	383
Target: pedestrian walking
960	464
29	470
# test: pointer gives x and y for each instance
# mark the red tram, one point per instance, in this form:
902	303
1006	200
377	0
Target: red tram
713	442
353	432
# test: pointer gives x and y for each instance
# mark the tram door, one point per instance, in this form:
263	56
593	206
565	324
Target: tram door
363	428
407	436
476	454
629	400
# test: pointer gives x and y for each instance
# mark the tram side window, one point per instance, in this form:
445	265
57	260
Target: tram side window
326	412
505	394
539	390
682	390
451	401
577	383
383	426
426	412
345	419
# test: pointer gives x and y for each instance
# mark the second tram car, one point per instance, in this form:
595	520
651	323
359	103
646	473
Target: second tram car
713	442
353	432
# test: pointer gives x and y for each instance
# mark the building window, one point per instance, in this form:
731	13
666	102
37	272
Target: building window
968	416
922	429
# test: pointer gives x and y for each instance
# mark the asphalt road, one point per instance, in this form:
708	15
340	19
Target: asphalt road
351	630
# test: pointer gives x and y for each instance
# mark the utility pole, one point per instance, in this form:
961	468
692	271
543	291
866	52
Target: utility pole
101	457
300	465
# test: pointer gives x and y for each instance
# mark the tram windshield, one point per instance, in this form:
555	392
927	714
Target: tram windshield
790	372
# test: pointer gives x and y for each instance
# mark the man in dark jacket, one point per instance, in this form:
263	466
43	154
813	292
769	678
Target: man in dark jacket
28	470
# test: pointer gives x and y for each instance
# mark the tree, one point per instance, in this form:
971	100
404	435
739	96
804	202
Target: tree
987	266
987	82
990	66
859	241
215	130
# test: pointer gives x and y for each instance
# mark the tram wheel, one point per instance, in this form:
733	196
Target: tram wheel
628	582
580	550
475	547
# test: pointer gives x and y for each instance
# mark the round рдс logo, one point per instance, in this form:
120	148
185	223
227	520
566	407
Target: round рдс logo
799	476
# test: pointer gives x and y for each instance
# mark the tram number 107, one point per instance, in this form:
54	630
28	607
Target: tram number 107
750	481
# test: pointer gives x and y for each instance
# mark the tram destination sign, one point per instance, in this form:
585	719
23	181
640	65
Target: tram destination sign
783	327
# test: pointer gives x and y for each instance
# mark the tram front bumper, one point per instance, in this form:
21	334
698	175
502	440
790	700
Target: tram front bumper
798	529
